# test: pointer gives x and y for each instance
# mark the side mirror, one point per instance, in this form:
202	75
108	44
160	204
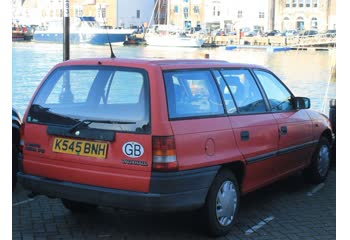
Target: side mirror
302	102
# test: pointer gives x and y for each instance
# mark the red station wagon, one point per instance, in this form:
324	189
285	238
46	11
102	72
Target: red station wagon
167	135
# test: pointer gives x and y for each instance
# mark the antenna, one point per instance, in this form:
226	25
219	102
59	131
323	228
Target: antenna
109	41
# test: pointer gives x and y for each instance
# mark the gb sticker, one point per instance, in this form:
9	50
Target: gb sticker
133	149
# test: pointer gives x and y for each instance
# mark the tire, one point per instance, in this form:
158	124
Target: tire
318	170
14	166
78	207
222	204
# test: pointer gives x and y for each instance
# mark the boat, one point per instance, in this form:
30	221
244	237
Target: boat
134	40
82	30
171	36
22	33
168	35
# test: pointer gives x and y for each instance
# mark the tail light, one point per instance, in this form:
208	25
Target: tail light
164	153
21	141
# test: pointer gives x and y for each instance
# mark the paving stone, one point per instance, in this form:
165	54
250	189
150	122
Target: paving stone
296	216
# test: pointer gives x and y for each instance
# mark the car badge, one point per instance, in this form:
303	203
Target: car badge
77	133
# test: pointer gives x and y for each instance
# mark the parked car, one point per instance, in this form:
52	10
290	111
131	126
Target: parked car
273	33
167	135
16	126
331	33
289	33
309	33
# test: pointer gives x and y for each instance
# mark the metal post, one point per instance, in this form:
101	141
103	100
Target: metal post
65	30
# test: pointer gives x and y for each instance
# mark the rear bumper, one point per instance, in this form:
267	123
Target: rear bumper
185	190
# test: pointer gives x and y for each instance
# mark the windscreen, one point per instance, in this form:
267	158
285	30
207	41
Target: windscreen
110	98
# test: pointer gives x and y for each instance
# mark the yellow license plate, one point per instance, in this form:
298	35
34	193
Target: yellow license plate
79	147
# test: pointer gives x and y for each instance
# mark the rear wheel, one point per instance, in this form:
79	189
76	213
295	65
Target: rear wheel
318	170
74	206
222	203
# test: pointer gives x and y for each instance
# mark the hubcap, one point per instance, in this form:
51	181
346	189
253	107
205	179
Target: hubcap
323	160
226	203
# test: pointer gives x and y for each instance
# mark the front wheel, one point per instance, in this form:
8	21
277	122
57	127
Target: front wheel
222	203
320	163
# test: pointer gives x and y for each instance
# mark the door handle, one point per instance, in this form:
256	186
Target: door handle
245	135
283	130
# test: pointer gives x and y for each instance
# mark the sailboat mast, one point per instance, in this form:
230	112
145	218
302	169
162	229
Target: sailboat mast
150	20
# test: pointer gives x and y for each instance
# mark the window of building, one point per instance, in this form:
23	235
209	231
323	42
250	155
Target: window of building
185	12
186	1
176	9
301	3
288	3
294	3
314	23
79	11
196	9
240	14
261	15
214	11
315	3
300	23
101	11
138	13
307	3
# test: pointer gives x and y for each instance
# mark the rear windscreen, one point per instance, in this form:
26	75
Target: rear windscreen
109	98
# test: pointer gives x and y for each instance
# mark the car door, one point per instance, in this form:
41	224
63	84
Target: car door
294	126
254	127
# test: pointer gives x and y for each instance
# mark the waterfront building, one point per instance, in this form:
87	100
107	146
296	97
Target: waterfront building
232	15
114	13
185	14
305	14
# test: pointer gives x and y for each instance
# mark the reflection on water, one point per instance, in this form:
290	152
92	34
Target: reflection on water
306	73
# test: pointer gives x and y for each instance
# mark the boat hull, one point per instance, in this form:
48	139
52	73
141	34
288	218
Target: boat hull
76	38
174	41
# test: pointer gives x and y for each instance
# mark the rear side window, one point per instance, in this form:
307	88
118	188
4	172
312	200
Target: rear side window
245	91
112	98
192	94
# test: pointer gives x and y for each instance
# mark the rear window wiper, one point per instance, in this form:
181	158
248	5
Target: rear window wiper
87	122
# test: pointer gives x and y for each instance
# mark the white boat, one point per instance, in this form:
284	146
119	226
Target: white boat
83	30
171	36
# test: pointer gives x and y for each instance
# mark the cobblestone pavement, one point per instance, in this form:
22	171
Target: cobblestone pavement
289	209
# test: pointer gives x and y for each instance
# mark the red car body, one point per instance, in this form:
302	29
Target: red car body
180	157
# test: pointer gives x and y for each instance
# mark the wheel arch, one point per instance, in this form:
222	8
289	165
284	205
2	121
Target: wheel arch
238	169
328	135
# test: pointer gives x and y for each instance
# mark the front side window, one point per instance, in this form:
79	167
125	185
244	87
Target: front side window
245	91
192	94
112	98
279	97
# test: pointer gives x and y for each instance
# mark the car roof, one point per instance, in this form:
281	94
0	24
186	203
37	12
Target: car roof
164	64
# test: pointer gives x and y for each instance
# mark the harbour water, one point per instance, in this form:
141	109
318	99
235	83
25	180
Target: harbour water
306	73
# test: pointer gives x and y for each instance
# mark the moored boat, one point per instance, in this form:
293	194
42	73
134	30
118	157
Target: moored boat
170	36
85	30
